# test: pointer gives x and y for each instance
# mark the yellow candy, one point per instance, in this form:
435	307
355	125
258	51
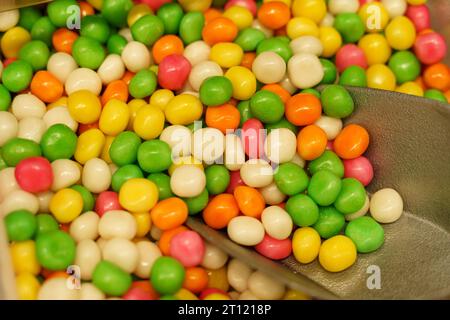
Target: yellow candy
184	294
184	160
23	255
376	48
226	54
241	16
183	109
105	151
89	145
295	295
133	107
160	98
218	279
97	4
138	195
380	76
66	205
243	81
149	122
195	5
416	2
216	296
312	9
401	33
144	223
301	26
114	118
61	102
84	106
27	286
306	244
331	41
138	11
374	16
337	253
411	88
13	40
287	2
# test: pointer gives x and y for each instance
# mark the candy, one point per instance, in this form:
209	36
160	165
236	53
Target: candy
291	179
386	205
111	279
247	231
337	253
366	233
324	187
330	222
187	181
273	248
53	259
303	210
188	248
220	210
167	275
20	225
264	287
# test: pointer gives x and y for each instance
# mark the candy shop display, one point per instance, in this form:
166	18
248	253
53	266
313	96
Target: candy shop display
121	119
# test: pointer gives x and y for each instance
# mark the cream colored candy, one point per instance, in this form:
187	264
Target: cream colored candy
307	44
121	252
148	253
8	182
395	8
238	274
264	287
361	212
280	145
18	200
214	258
386	205
101	243
197	52
126	33
272	195
8	127
111	69
57	289
117	224
269	67
83	79
61	115
85	227
331	126
234	155
65	173
208	144
247	295
343	6
96	176
61	65
257	25
202	71
136	56
298	160
27	105
90	292
44	201
31	128
179	139
187	89
88	255
327	21
277	222
234	295
305	70
155	233
287	84
8	19
257	173
247	231
188	181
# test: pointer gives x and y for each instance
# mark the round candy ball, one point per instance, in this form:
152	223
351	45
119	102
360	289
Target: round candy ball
167	275
20	225
386	205
215	91
34	174
55	250
337	253
188	248
359	168
173	72
366	233
111	279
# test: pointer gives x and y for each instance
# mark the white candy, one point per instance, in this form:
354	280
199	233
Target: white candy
136	56
258	25
148	253
264	287
305	70
126	33
238	274
395	8
247	295
331	126
386	205
90	292
121	252
96	175
272	195
361	212
287	84
257	173
277	222
269	67
341	6
27	105
179	139
247	231
208	144
31	128
61	115
117	224
8	182
298	160
83	79
87	257
8	127
19	200
44	201
234	155
202	71
327	21
111	69
57	289
214	258
8	19
65	173
188	181
197	52
85	227
280	145
307	44
61	65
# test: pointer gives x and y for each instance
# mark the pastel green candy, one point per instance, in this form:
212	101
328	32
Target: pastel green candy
336	101
171	15
198	203
154	156
217	179
366	233
245	112
17	149
303	210
36	53
61	11
55	250
291	179
191	27
330	222
88	52
327	161
324	187
353	76
45	223
267	106
124	148
17	76
122	174
111	279
20	225
86	195
58	142
116	11
352	196
249	38
147	29
43	30
215	91
143	84
5	98
162	181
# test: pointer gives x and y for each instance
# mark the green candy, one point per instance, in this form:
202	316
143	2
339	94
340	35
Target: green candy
36	53
162	181
5	98
245	112
330	71
147	29
58	142
60	11
17	76
198	203
3	164
168	297
283	123
111	279
277	45
28	16
215	91
20	225
167	275
127	172
337	102
116	43
324	187
171	15
352	196
350	26
154	156
116	11
291	179
55	250
191	27
267	106
95	27
353	76
303	210
249	39
86	195
435	95
330	222
327	161
405	66
217	178
43	30
17	149
143	84
366	233
88	53
45	223
312	91
124	148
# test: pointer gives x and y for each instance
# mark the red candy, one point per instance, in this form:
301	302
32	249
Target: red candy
137	294
154	4
235	181
252	136
420	16
430	47
188	248
350	55
34	174
273	248
173	72
360	168
248	4
107	201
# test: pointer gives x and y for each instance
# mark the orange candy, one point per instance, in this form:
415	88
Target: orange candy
437	76
351	142
195	280
274	14
220	210
278	90
250	201
220	30
145	286
303	109
211	14
46	86
169	213
447	95
127	77
223	117
311	142
86	9
82	127
166	237
165	46
117	89
247	60
63	40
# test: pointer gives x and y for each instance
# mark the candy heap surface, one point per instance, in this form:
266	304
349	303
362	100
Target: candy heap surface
119	120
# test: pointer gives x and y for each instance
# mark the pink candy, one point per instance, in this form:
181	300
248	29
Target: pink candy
274	249
107	201
430	48
235	181
360	168
252	136
173	72
350	55
34	174
188	248
137	294
154	4
420	16
249	4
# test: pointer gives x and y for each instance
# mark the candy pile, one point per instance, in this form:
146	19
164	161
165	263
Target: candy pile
115	127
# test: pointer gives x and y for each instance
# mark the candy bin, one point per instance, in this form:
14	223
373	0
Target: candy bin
224	150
